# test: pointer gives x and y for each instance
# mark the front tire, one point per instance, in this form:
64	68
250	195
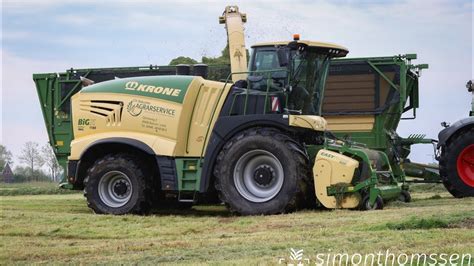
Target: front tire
457	164
116	184
366	206
262	171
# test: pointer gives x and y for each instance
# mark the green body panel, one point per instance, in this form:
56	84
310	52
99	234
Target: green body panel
404	86
389	192
189	173
170	88
389	119
56	114
428	173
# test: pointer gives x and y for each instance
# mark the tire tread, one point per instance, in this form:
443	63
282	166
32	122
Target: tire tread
300	197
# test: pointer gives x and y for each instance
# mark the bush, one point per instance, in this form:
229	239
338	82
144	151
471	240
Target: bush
182	60
23	174
33	188
416	223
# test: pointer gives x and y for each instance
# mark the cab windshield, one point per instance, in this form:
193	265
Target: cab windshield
266	59
301	79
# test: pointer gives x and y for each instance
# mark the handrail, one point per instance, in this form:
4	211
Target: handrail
267	75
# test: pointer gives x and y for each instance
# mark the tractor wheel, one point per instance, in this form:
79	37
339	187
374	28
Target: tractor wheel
456	165
262	171
404	196
116	184
366	206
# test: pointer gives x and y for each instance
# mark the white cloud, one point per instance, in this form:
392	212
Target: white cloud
16	35
27	6
76	41
30	6
75	20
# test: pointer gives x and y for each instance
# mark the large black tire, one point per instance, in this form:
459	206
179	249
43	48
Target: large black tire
456	184
117	184
271	149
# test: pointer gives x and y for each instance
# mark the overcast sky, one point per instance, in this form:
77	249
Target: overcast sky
52	36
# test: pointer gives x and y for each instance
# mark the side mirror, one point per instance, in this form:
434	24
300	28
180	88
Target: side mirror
282	57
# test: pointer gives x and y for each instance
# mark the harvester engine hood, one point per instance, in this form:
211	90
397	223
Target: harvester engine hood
170	88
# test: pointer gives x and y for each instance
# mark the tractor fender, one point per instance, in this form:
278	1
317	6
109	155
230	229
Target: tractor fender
116	140
78	166
445	134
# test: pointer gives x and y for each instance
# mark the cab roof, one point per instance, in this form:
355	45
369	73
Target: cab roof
341	49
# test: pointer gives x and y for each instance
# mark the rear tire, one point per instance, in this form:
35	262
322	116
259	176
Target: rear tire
455	164
262	171
116	184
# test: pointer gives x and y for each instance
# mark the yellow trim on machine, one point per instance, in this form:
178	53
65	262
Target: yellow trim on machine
234	25
309	43
351	123
313	122
332	168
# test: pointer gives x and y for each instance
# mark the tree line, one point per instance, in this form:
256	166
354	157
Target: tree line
35	160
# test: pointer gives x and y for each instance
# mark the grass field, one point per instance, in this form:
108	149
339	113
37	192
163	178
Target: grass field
61	229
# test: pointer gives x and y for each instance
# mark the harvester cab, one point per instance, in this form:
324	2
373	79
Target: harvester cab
296	69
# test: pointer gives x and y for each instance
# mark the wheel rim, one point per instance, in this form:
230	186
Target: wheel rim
370	207
115	189
402	198
258	176
465	165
